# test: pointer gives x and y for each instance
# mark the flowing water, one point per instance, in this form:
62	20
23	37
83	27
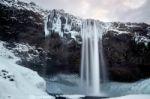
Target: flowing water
46	27
93	71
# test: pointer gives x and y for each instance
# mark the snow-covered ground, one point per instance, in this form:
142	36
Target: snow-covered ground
133	97
119	89
17	82
122	97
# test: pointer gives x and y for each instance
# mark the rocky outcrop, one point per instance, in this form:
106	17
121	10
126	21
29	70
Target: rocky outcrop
127	51
20	24
64	53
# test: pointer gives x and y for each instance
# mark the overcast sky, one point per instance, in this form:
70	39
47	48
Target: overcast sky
104	10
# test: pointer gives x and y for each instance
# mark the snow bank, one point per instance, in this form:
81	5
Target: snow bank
17	82
122	97
73	96
133	97
121	89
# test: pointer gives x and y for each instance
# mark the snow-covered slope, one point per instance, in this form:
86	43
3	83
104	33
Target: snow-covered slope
21	52
17	82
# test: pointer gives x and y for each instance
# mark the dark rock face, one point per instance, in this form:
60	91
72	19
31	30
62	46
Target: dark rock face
21	25
64	53
126	57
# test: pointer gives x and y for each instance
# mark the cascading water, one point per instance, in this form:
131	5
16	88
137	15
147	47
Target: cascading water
45	27
92	60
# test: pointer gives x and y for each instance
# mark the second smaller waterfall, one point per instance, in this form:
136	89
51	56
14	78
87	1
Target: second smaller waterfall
45	27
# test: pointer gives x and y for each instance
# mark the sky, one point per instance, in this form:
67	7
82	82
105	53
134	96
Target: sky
104	10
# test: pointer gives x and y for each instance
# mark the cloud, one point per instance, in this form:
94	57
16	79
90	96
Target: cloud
104	10
134	3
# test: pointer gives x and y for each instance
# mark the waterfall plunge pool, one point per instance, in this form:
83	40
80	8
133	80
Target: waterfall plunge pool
70	85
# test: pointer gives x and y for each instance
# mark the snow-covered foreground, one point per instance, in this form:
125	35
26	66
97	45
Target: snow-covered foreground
17	82
120	89
133	97
122	97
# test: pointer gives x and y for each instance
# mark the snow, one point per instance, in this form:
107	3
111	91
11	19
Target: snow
119	32
18	4
131	25
73	96
140	96
5	53
116	29
17	82
67	26
133	97
23	47
141	39
16	51
74	34
58	26
121	89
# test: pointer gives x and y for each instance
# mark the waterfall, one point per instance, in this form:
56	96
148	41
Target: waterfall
45	27
92	60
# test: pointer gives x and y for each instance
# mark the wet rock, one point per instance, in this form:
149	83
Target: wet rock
123	74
